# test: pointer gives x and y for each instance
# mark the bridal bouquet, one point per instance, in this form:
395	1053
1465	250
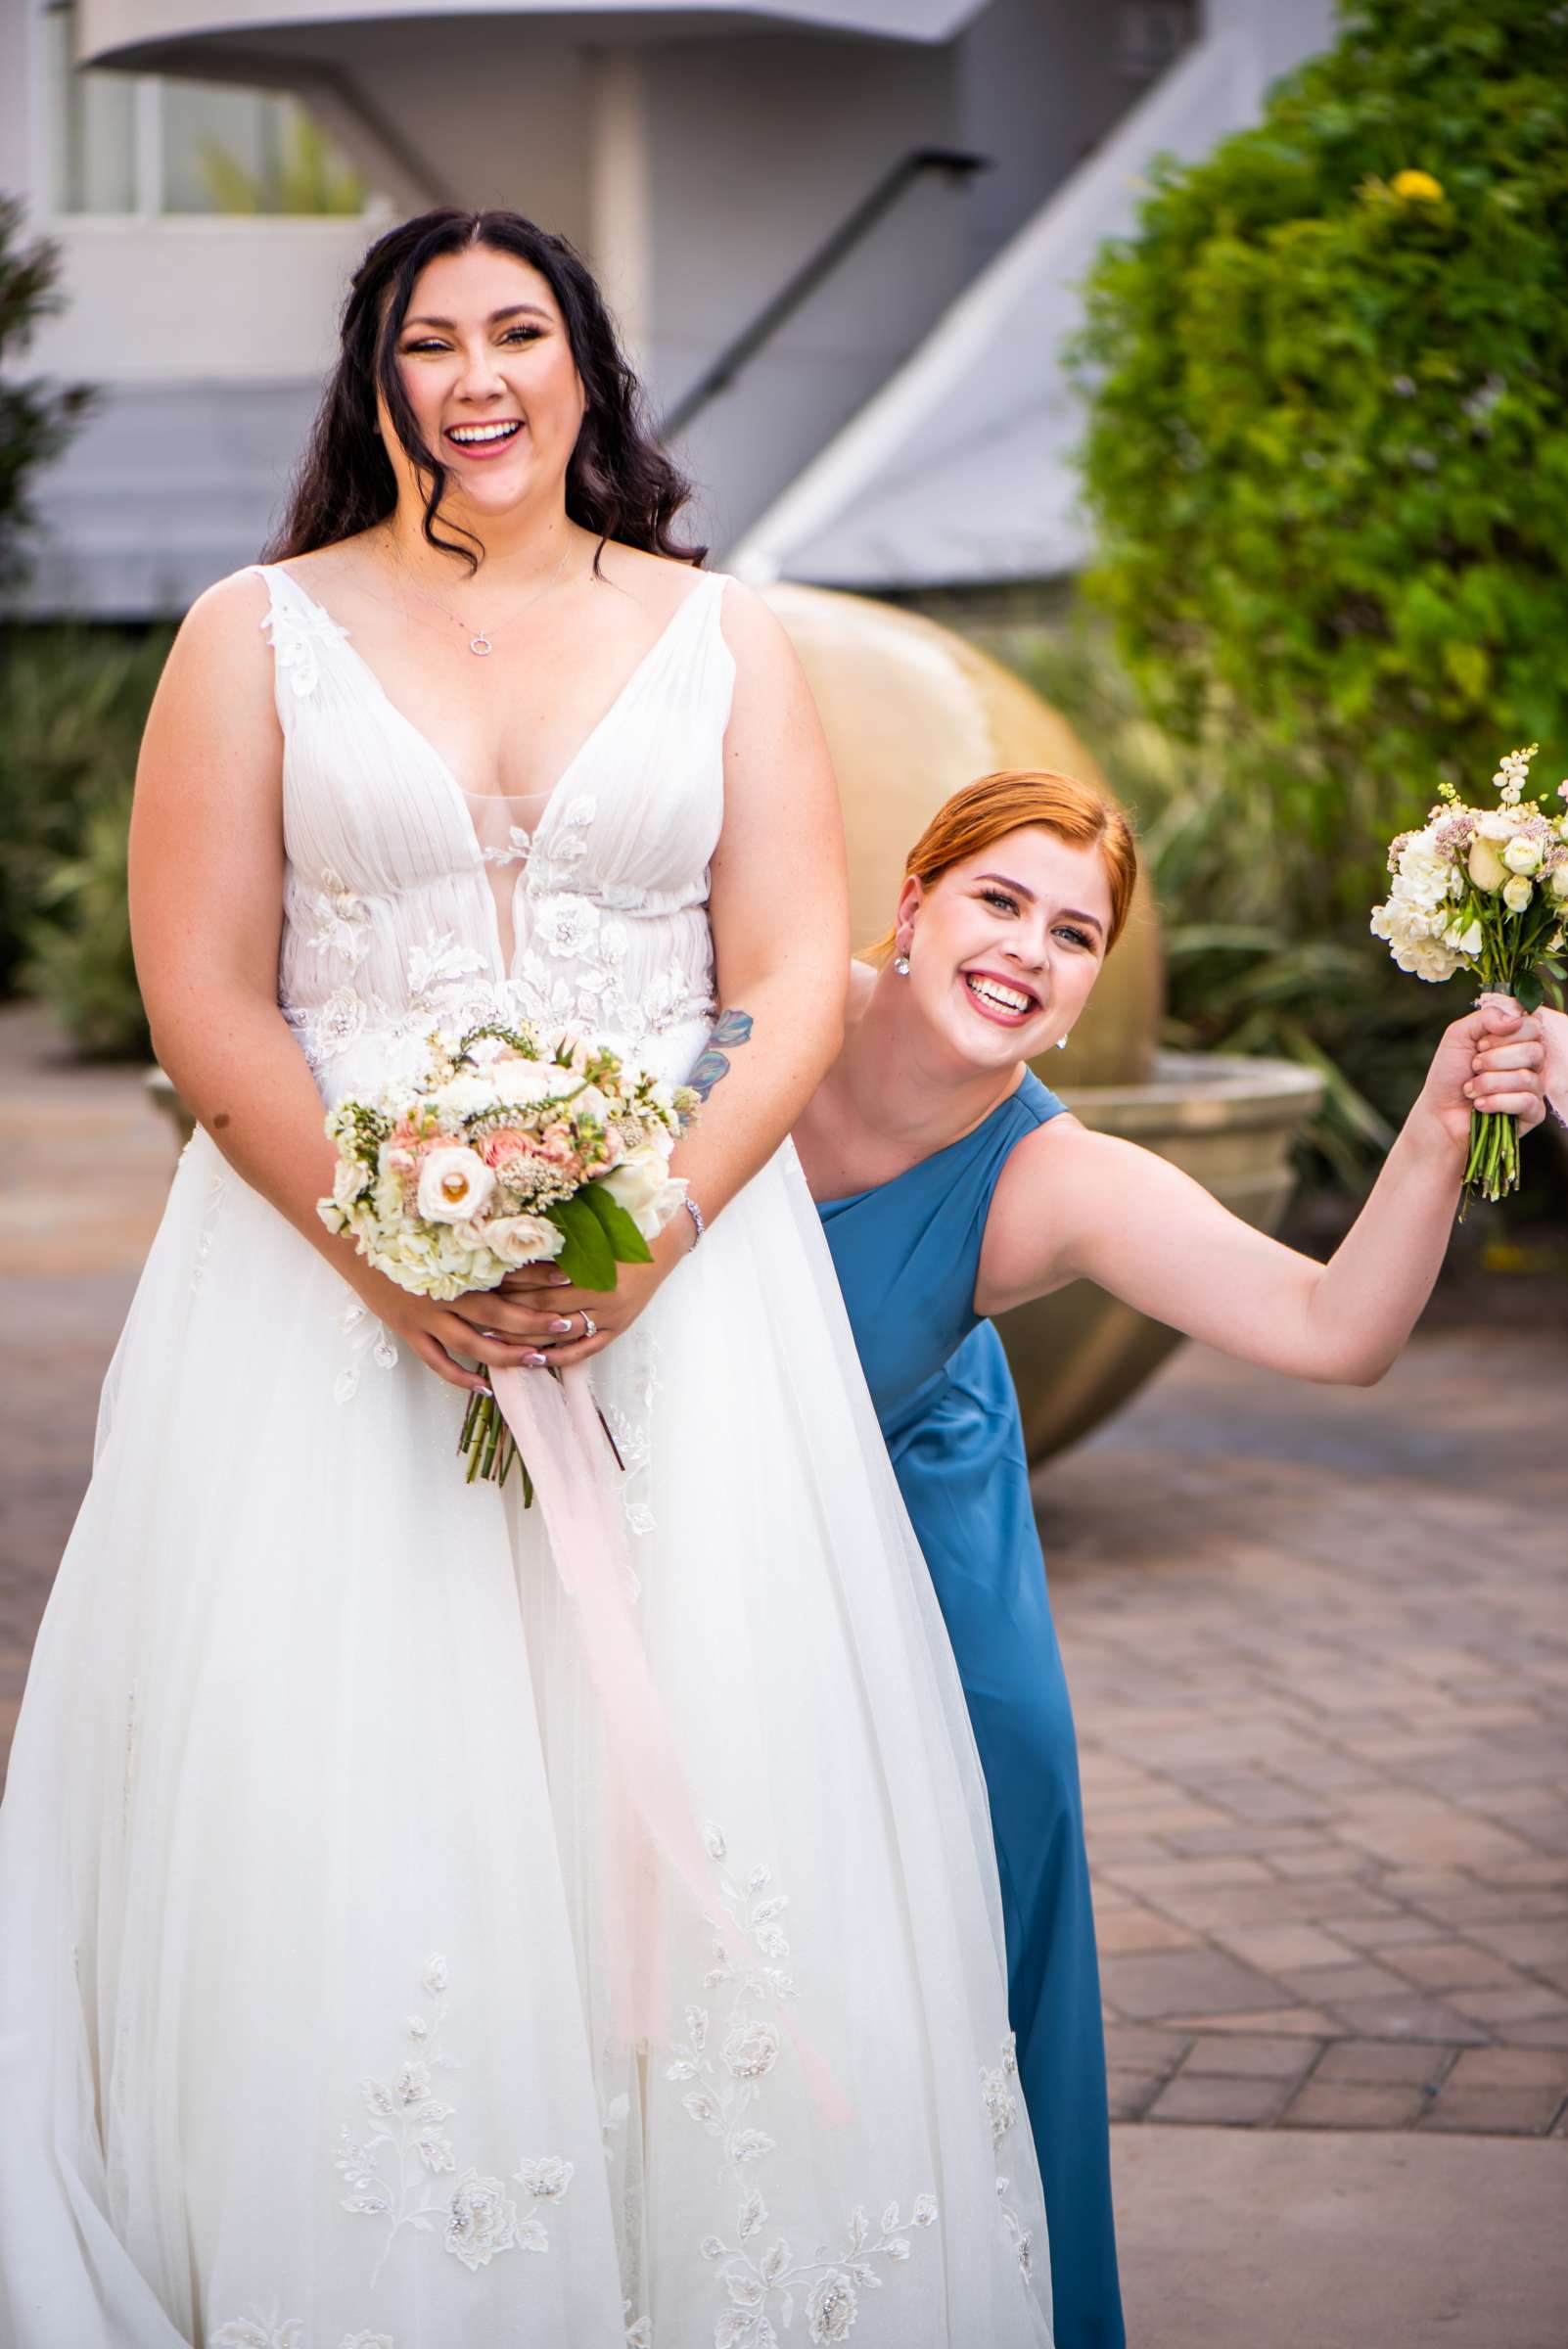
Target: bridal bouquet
516	1147
1484	890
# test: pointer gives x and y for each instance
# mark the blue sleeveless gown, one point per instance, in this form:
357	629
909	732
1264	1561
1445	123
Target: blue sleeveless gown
907	1255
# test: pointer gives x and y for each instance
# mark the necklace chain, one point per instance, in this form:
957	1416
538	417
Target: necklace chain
481	642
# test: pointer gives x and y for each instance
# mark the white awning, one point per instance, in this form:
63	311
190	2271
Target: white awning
131	33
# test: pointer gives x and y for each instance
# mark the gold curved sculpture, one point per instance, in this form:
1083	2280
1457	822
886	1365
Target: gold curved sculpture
912	712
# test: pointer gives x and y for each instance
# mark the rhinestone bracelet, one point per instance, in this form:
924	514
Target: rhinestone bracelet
696	1214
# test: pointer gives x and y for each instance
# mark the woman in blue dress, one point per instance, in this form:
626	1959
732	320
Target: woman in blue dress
952	1185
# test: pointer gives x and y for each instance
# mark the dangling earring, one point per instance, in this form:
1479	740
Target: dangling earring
1061	1044
901	963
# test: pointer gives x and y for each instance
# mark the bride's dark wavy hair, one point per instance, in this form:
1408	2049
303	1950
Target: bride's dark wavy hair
620	483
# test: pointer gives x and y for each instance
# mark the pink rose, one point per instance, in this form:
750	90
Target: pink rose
502	1142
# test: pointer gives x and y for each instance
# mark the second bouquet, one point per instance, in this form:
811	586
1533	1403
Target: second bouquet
517	1146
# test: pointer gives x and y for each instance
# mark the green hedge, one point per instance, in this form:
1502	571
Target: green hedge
72	705
1327	461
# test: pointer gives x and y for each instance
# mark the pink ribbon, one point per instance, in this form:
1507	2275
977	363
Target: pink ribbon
561	1438
558	1433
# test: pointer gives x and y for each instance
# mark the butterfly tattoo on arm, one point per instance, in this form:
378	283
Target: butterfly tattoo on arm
731	1030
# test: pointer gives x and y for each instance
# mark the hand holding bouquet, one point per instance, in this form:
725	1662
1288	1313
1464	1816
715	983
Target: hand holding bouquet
516	1149
1484	891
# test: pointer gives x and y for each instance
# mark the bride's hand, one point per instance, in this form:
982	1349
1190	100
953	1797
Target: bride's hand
1490	1060
538	1318
449	1337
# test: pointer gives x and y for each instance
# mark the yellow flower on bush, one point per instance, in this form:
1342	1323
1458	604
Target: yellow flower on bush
1417	187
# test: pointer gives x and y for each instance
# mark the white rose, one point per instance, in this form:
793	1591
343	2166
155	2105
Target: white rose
1522	854
454	1183
1518	893
1560	879
1487	868
642	1184
520	1239
522	1083
348	1181
1472	940
464	1095
1496	824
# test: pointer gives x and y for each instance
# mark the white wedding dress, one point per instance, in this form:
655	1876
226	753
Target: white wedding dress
307	1982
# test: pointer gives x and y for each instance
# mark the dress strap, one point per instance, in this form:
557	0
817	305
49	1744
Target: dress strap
298	630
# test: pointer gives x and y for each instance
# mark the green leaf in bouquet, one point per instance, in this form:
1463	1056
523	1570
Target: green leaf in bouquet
587	1259
626	1240
1529	991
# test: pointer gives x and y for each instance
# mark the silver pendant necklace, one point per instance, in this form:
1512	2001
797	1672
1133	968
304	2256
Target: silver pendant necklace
482	642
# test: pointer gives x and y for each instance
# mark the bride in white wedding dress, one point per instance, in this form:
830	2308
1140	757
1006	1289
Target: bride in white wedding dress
337	2009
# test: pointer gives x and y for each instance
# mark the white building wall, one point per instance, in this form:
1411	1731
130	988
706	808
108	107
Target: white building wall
759	151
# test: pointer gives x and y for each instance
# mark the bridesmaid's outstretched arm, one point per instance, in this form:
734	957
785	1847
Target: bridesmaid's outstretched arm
1079	1204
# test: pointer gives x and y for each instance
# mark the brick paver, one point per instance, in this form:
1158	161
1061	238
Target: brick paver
1319	1648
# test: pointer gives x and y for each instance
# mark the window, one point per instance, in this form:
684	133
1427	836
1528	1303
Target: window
126	143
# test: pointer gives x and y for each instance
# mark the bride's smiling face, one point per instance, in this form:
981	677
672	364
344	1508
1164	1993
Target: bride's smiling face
485	363
1005	946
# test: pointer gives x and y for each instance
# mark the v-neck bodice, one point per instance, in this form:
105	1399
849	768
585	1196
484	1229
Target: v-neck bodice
907	1255
408	899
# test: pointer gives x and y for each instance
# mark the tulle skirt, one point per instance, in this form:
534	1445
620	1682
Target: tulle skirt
313	2023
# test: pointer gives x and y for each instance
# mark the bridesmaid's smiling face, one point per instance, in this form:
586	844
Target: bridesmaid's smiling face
1004	947
487	364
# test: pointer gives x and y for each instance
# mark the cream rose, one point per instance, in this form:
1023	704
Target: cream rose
1518	893
454	1183
643	1185
1522	854
520	1239
1560	879
526	1082
1487	868
348	1179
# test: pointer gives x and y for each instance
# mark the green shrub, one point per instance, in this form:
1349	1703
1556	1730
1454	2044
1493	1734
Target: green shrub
1327	461
80	964
36	418
72	705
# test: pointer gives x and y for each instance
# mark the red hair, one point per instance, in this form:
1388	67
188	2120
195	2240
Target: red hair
984	812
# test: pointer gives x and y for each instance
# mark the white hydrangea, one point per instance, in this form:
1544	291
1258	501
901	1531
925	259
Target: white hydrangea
1415	921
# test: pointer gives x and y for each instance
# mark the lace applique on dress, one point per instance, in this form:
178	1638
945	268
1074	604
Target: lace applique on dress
207	1231
563	844
368	1339
295	627
391	2171
336	921
998	2086
632	1431
728	2060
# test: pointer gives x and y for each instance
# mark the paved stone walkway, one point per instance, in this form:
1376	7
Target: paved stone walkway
1318	1641
1319	1646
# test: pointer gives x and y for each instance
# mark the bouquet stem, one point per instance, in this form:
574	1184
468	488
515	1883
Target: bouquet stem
489	1449
1491	1170
487	1446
